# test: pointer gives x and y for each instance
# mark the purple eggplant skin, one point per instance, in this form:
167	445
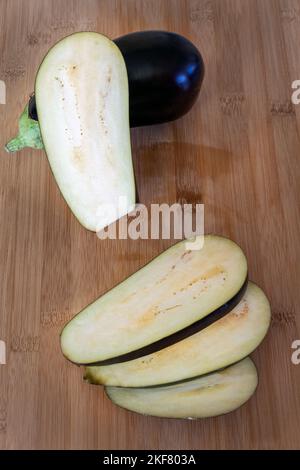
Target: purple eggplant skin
179	335
32	111
165	72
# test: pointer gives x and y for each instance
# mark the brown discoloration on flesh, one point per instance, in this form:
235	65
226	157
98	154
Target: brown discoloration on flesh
78	158
196	391
161	280
241	312
185	255
213	272
167	309
72	72
146	318
152	313
108	78
147	360
204	278
128	297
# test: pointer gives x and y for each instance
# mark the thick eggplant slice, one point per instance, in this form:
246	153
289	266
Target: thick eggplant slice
81	94
224	342
175	290
212	395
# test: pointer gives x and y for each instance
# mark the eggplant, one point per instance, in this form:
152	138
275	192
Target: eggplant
85	127
224	342
212	395
172	292
165	72
32	111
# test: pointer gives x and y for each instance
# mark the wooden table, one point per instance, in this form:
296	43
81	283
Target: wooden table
237	151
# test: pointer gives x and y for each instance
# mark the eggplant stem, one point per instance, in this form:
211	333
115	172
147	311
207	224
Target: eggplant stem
29	134
14	145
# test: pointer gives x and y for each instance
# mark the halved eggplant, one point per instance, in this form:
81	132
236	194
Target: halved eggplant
174	291
82	101
224	342
212	395
165	73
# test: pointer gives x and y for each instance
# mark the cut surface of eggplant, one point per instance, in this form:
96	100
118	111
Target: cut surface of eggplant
175	290
224	342
81	94
186	332
212	395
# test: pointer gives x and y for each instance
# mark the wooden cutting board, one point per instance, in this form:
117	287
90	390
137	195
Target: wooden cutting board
237	151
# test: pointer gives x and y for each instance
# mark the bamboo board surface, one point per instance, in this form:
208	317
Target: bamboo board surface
237	151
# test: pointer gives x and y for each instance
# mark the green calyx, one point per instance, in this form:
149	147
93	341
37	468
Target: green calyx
29	134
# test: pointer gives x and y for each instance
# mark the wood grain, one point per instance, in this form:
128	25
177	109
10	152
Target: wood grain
237	151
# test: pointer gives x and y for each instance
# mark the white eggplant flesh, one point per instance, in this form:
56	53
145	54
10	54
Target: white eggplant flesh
175	290
212	395
225	342
81	94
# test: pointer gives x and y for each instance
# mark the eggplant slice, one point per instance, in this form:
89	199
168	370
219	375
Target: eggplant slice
81	95
212	395
223	343
181	334
175	290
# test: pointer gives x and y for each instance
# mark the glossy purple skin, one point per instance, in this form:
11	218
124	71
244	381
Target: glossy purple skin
165	73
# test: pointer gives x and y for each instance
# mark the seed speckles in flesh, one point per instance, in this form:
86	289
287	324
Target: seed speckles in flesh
59	80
